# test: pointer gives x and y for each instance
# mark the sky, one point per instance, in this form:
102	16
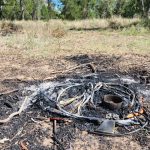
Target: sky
57	3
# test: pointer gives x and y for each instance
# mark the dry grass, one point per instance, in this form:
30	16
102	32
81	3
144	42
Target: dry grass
42	39
33	54
8	27
100	23
41	26
30	50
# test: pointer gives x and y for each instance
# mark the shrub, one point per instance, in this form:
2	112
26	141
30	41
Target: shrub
114	25
146	23
58	33
134	30
9	28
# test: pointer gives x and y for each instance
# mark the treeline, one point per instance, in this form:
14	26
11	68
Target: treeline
72	9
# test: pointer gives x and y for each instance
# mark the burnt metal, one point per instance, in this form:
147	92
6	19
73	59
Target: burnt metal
112	102
108	126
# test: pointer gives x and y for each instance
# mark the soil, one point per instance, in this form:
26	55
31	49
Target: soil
25	132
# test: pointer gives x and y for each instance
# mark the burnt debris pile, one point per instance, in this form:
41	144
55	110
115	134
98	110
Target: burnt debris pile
114	105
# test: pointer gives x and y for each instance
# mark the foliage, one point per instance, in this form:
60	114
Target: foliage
72	9
44	13
26	9
146	23
11	10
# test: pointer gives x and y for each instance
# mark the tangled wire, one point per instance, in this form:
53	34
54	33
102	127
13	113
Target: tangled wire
114	107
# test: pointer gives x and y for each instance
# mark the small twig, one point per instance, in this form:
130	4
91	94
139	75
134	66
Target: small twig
38	122
9	92
18	133
15	113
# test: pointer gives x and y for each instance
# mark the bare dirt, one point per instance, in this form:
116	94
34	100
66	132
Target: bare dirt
17	73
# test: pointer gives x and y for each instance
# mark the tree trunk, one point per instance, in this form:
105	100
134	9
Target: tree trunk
49	8
33	14
85	9
145	8
22	9
1	8
38	10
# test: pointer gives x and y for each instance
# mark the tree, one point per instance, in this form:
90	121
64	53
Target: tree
103	8
145	7
88	8
71	9
33	8
51	9
21	9
11	10
130	8
45	13
1	8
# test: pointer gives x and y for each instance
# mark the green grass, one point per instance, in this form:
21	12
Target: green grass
135	30
140	46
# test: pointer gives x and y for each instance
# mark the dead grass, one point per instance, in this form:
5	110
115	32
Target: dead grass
45	39
34	44
33	54
8	27
41	27
29	53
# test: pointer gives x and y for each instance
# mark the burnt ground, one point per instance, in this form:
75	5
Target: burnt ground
24	130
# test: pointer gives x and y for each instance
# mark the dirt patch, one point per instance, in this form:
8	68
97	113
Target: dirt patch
85	141
123	143
19	73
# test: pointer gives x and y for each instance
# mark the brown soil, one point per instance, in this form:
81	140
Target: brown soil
18	72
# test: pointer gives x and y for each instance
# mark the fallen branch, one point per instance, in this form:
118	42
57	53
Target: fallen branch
72	68
7	80
15	113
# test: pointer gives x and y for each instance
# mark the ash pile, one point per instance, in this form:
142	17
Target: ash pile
102	104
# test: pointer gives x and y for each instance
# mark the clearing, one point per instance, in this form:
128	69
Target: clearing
32	55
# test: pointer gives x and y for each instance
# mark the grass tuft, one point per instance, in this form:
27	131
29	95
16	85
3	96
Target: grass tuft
9	28
54	38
